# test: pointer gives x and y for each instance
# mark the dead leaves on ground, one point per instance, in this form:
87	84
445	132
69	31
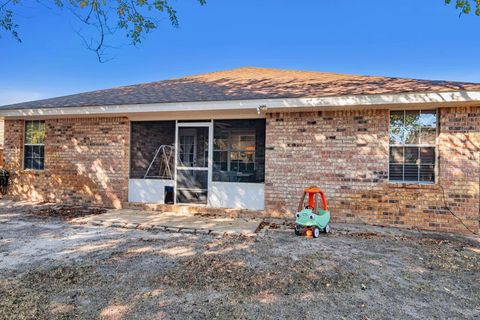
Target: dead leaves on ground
220	273
65	212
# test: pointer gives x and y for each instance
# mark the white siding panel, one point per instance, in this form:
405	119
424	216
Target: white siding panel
147	190
237	195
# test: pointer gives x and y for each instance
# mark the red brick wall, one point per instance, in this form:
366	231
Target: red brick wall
86	161
346	153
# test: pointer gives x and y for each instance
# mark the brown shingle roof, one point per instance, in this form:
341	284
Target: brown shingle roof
247	83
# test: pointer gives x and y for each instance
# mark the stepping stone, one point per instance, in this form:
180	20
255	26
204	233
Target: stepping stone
145	226
118	224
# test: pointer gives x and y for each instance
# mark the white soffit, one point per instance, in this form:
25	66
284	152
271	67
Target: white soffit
260	105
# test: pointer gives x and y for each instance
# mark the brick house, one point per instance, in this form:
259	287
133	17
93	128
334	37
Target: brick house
387	151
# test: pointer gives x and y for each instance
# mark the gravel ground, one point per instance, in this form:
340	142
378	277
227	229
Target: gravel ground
52	269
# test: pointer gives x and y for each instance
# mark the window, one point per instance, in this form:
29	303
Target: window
193	147
239	151
34	151
412	146
187	144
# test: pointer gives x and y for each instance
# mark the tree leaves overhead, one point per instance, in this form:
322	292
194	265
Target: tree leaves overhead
466	6
6	19
103	18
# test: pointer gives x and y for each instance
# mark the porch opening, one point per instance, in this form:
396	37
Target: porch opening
218	163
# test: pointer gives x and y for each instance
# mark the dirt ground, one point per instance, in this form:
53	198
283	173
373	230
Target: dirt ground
52	269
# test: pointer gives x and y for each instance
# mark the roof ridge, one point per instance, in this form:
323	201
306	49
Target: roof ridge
285	70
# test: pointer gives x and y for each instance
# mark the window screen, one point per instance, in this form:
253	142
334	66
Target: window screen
152	149
239	150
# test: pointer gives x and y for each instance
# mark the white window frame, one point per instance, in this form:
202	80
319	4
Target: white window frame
435	146
25	144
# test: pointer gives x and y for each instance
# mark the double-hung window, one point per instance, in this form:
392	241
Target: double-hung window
34	148
413	152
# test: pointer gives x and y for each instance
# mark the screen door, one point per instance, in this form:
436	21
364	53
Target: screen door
193	169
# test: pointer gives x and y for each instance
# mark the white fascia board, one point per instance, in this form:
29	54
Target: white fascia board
254	104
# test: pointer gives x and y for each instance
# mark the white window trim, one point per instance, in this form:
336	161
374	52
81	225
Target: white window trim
435	169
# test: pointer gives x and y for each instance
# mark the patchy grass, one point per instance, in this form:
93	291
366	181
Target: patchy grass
51	269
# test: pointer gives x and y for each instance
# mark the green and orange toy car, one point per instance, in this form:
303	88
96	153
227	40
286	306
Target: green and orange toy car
311	219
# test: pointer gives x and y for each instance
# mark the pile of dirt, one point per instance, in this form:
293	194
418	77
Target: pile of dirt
65	212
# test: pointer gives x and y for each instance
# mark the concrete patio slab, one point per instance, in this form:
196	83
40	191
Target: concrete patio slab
172	221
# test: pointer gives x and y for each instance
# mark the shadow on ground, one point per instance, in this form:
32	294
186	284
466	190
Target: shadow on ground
52	269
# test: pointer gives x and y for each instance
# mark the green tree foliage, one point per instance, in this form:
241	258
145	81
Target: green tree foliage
102	18
466	6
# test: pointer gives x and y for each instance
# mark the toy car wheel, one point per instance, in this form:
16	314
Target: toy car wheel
327	229
298	231
316	232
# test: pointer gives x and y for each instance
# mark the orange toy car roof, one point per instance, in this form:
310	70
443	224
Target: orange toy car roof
312	190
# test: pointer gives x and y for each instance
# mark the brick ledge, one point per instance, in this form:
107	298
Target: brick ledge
403	185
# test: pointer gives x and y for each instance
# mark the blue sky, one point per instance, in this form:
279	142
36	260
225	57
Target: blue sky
409	38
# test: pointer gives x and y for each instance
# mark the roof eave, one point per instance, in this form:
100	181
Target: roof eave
377	101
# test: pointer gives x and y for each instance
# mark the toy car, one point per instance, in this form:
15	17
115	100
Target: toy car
311	219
